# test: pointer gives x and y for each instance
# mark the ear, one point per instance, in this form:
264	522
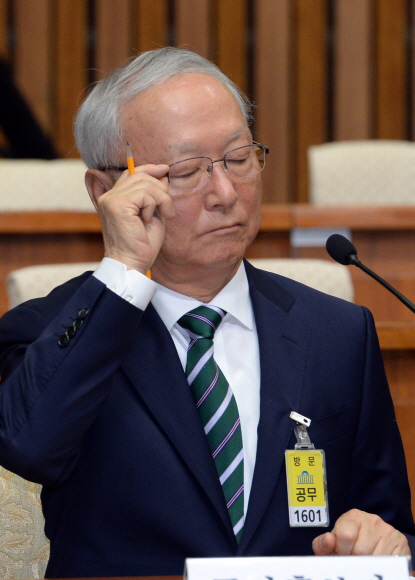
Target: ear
98	182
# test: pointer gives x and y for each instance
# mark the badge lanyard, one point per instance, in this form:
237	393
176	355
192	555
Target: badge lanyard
306	479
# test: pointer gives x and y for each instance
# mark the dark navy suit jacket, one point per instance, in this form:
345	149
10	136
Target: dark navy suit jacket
109	427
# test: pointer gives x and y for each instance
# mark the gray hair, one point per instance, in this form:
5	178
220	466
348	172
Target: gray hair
98	130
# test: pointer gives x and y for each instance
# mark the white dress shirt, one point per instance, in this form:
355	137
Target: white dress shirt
235	342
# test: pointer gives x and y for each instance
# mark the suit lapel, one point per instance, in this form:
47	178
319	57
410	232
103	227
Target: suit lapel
154	368
283	343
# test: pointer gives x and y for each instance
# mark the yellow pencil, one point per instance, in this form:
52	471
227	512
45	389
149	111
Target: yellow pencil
130	160
131	170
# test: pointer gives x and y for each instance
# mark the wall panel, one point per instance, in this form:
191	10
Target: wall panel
391	87
311	85
193	26
4	45
112	35
150	22
70	69
352	74
232	40
32	56
273	92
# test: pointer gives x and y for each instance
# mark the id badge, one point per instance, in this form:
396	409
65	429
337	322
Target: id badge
306	481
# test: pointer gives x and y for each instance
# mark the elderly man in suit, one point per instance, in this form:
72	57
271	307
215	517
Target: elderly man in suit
157	418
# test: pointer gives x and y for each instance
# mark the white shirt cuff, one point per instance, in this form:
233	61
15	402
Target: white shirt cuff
129	284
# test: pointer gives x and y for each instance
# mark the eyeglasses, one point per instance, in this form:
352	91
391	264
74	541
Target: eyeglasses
240	163
195	172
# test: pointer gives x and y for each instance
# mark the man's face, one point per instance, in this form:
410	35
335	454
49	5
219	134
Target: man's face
189	116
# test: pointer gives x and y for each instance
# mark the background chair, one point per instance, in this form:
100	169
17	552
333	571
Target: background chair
24	548
378	172
38	185
37	281
322	275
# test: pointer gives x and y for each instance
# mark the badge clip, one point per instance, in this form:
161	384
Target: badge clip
300	430
306	479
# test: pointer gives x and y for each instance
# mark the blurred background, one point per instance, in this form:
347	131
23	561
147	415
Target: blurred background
318	70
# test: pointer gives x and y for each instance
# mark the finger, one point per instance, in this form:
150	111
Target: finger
158	188
136	197
162	200
154	173
157	171
324	545
346	532
148	207
365	543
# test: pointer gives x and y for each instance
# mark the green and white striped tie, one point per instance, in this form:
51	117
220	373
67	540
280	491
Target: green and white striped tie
217	408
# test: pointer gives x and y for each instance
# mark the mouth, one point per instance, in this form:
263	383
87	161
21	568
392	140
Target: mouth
226	228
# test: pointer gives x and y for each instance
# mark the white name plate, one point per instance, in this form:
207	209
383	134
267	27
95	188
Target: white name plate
299	568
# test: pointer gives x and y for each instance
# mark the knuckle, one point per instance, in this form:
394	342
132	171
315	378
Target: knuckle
354	513
360	550
376	520
348	534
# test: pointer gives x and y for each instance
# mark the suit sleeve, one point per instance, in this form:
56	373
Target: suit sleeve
51	389
380	482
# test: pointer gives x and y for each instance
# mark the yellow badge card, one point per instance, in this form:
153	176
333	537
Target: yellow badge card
306	483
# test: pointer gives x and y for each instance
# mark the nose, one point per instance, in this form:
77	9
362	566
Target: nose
221	190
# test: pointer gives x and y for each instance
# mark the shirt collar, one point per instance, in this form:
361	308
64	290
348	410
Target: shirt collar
233	298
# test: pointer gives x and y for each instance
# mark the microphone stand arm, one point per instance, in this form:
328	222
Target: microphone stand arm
356	262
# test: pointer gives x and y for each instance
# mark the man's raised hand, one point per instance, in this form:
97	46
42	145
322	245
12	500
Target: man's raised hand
133	214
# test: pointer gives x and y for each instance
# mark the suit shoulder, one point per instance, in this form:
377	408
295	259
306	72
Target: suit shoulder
309	303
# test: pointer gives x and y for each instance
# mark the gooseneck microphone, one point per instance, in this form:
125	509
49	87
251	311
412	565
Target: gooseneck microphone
343	251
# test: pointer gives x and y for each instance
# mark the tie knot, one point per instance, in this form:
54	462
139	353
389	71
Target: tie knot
203	321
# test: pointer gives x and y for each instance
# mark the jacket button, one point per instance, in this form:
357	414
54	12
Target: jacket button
83	312
77	323
70	331
63	340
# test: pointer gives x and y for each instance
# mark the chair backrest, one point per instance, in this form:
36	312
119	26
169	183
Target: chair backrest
38	185
368	172
322	275
37	281
24	548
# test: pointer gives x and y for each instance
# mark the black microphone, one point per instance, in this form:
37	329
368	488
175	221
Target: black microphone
343	251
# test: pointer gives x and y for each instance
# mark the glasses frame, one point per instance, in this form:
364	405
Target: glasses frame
209	171
212	161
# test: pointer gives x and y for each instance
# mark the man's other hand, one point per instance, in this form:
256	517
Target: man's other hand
358	533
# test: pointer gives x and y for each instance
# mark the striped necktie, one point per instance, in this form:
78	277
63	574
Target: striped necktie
217	408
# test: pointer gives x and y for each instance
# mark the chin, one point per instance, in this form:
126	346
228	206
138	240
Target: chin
223	260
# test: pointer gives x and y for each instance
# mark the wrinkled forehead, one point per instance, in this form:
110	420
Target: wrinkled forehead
180	112
187	96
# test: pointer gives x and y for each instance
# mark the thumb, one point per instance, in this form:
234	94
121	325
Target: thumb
324	545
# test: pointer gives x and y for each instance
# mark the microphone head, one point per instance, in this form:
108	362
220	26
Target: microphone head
340	249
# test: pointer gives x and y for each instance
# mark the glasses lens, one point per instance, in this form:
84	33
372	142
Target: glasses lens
245	161
189	174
